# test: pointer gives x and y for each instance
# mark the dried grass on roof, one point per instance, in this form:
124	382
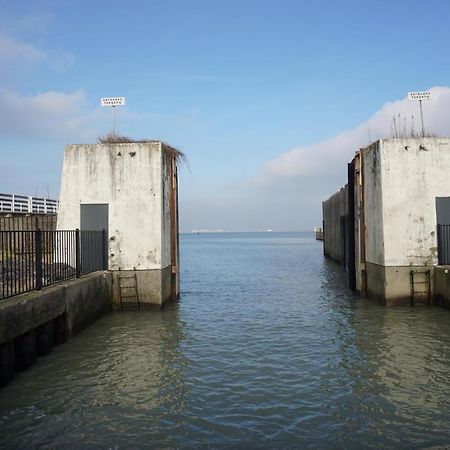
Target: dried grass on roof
114	138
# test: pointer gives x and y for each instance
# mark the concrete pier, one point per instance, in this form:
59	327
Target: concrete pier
32	323
130	191
382	226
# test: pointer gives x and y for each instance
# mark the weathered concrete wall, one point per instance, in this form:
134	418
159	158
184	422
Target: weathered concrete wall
402	178
135	180
373	202
127	177
154	287
165	215
374	231
31	323
441	286
413	175
334	209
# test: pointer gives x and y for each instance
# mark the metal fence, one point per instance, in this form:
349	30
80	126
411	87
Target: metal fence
443	239
32	259
22	204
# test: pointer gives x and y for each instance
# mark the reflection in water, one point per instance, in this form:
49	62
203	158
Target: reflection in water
98	386
267	348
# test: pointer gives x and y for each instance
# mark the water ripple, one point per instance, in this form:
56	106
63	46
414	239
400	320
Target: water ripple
266	349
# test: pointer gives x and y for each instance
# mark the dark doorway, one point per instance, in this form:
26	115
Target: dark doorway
351	226
93	217
443	229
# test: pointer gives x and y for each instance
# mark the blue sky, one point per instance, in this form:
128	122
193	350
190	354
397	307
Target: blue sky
239	86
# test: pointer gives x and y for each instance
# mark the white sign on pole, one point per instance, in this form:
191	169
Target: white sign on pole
425	95
112	101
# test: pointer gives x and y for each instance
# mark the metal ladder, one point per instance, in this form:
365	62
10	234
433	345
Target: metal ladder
420	286
128	288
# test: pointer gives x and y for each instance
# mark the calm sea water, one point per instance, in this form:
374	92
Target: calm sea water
266	349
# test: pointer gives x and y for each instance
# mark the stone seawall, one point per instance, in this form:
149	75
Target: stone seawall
32	323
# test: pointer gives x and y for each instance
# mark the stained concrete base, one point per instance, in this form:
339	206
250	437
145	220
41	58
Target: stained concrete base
31	323
441	283
154	288
392	285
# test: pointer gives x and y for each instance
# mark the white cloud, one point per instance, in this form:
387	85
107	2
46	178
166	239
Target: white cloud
12	50
330	156
45	114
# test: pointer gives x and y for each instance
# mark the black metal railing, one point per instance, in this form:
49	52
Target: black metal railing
443	241
32	259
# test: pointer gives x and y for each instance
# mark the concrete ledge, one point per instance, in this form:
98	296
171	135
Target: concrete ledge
83	300
32	323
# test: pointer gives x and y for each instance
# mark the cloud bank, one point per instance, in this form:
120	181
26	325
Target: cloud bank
331	155
44	114
288	191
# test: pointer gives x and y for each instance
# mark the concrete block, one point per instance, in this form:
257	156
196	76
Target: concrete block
88	299
392	285
154	287
25	312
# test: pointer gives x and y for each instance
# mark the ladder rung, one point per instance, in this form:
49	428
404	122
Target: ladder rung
133	292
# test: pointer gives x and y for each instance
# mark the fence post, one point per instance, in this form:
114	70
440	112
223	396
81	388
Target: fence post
77	253
104	250
38	261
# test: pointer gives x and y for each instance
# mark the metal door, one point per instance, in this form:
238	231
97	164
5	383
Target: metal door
94	217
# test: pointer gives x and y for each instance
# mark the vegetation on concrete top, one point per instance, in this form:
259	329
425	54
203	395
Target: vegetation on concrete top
114	138
402	128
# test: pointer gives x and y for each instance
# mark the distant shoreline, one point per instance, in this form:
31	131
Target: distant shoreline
245	231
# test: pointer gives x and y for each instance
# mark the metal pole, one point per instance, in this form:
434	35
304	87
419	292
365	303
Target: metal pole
421	117
114	115
38	258
77	254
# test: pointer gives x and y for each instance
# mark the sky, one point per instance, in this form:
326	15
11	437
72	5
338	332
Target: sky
268	99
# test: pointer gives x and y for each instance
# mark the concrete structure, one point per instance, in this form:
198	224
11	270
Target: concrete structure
318	233
32	323
441	286
130	190
335	213
387	215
